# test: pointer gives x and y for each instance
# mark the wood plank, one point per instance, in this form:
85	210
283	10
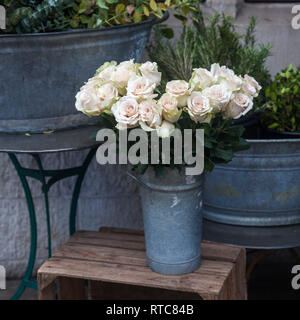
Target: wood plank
112	272
129	257
235	286
240	276
121	230
107	235
44	280
46	286
99	290
209	296
215	251
110	243
71	289
90	253
48	293
226	293
210	250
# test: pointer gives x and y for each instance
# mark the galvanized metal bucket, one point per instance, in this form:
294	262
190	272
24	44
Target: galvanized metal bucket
259	187
172	217
41	73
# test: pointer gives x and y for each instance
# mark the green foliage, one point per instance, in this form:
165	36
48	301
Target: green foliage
176	61
203	44
32	16
97	13
282	109
221	141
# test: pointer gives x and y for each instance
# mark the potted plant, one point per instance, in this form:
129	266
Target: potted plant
217	40
260	187
50	47
149	123
281	117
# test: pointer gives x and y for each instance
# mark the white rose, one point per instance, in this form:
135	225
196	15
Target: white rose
165	130
91	99
150	115
169	108
198	106
126	112
105	75
248	89
229	79
140	88
129	65
108	93
92	82
167	102
122	73
149	71
253	83
215	70
201	79
178	89
88	102
238	106
218	96
105	71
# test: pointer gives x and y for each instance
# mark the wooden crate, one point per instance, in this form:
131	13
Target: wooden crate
114	263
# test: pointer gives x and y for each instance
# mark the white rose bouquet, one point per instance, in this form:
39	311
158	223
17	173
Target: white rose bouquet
129	96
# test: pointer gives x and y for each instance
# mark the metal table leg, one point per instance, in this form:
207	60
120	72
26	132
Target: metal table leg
76	191
54	175
26	282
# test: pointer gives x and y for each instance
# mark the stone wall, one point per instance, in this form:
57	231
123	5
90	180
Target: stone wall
108	196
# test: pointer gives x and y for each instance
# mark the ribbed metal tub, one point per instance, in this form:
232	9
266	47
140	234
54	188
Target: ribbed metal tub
172	214
260	187
41	73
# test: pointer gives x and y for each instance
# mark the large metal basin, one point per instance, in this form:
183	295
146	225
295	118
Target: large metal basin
260	187
41	73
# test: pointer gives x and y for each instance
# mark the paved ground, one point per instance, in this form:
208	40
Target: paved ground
11	287
270	280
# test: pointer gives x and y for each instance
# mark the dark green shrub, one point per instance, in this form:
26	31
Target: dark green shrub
282	108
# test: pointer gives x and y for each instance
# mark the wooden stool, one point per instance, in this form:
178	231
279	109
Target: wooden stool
114	262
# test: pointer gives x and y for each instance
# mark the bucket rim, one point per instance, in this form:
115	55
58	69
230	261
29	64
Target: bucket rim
168	189
150	21
265	141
